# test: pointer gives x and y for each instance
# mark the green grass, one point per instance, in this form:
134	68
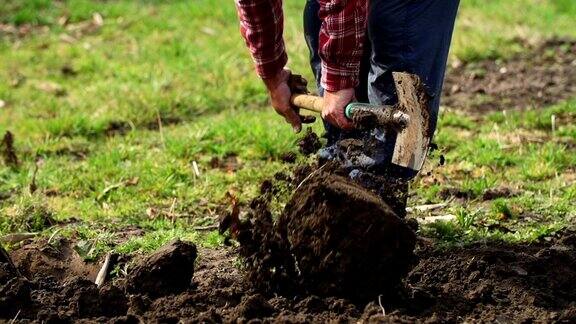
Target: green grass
183	62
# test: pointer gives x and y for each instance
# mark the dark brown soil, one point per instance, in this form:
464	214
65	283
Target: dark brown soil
167	271
8	151
333	238
483	283
344	239
309	143
545	74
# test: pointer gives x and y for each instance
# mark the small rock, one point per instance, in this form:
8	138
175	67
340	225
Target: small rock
168	270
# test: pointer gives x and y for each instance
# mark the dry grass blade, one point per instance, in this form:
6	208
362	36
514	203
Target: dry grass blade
380	303
15	317
101	277
423	208
207	227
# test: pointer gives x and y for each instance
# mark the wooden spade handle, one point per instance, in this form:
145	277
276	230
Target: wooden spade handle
308	102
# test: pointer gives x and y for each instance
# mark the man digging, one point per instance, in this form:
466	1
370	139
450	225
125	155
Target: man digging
355	46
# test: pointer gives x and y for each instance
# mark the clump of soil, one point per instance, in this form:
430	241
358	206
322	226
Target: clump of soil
229	162
8	151
543	75
344	239
333	238
309	143
166	271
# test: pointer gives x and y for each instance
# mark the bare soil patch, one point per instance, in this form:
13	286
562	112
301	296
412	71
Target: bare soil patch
544	75
484	282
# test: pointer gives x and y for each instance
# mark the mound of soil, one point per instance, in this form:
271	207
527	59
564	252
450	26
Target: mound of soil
344	239
481	283
334	238
545	74
166	271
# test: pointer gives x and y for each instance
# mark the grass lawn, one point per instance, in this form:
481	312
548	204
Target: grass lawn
112	103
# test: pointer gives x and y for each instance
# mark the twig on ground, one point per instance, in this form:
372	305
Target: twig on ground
196	169
433	219
101	277
54	235
206	228
380	303
33	186
15	317
160	129
423	208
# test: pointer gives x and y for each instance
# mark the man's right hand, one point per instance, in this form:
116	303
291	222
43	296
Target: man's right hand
280	95
334	108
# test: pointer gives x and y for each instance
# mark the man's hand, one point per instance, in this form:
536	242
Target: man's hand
280	96
334	105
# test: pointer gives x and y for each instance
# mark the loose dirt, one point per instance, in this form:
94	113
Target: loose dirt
333	238
545	74
485	282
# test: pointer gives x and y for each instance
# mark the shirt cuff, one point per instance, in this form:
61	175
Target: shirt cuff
271	68
339	78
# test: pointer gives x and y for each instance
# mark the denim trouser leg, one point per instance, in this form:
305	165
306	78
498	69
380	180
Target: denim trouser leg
403	35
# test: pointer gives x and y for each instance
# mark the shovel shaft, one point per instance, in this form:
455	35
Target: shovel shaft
308	102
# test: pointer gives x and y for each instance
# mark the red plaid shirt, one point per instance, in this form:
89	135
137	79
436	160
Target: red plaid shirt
341	38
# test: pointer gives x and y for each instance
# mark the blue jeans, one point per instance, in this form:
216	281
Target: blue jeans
403	36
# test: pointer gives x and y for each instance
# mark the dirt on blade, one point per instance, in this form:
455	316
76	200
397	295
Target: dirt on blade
544	75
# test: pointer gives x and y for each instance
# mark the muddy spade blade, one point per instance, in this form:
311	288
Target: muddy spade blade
413	142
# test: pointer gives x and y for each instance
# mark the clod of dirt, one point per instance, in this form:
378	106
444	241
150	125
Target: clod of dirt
14	289
288	157
166	271
7	268
345	240
8	151
117	127
541	76
500	192
253	307
309	143
68	70
453	192
333	238
228	163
